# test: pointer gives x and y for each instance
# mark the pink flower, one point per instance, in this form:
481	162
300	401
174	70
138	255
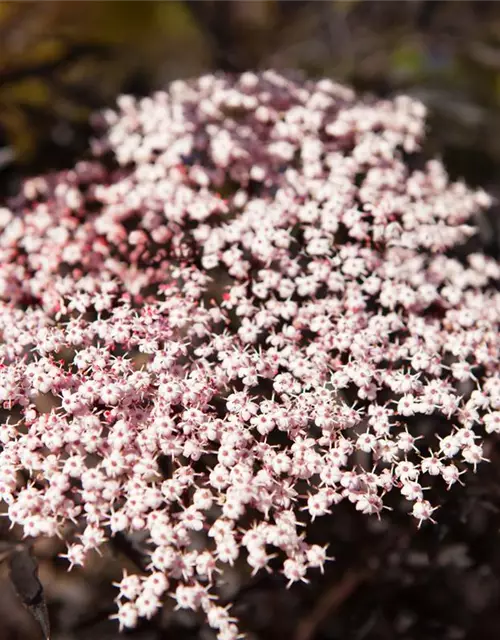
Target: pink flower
240	256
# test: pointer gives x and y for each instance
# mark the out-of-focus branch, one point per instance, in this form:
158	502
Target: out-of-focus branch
217	21
288	9
214	20
334	30
426	13
331	600
124	545
75	53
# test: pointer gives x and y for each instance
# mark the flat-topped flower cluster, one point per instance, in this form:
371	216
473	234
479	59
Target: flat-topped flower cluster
238	312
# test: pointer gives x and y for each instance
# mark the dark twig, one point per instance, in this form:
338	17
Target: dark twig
331	600
124	545
215	20
24	578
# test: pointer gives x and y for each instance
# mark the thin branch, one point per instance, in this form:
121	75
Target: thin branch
331	600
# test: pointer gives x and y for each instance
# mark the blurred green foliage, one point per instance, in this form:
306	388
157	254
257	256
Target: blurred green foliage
60	60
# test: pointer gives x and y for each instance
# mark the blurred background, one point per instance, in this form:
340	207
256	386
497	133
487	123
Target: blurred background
59	61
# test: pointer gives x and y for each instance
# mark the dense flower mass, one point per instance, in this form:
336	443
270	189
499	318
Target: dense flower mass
240	311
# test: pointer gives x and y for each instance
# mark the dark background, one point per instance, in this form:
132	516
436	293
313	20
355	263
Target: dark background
61	60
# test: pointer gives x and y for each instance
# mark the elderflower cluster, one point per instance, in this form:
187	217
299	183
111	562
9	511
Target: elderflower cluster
240	310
